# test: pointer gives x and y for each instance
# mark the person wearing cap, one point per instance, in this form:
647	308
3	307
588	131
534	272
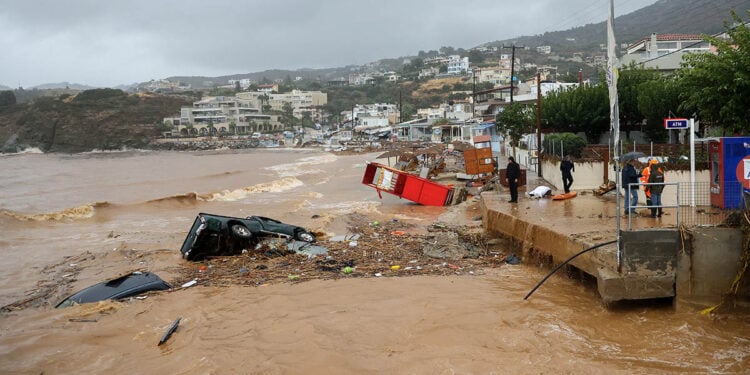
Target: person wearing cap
656	177
512	173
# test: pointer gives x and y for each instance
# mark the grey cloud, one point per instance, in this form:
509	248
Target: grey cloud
118	41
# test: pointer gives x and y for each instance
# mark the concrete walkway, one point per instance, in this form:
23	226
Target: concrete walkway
561	229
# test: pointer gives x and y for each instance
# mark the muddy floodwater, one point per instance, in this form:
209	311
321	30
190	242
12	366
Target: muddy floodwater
70	221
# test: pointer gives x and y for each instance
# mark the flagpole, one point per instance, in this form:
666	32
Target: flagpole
614	114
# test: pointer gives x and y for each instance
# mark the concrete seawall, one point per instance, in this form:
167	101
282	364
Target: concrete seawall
656	260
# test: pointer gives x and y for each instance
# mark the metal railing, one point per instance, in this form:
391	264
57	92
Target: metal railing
693	202
662	206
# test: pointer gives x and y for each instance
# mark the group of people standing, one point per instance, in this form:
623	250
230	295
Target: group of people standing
513	172
652	180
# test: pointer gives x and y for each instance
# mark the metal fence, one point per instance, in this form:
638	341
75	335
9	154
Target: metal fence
692	203
696	208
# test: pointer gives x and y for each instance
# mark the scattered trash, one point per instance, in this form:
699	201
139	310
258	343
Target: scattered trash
293	277
348	237
202	268
378	274
512	259
375	223
172	328
141	297
352	243
348	270
306	248
398	233
190	283
244	270
395	268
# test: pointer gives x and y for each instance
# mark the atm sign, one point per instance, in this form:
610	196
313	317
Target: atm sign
676	123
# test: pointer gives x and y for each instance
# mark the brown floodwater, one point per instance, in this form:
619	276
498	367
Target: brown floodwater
88	217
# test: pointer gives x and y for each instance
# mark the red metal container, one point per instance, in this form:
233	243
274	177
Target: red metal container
407	186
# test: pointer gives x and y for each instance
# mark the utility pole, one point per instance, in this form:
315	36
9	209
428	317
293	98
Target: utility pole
400	108
512	66
539	124
473	94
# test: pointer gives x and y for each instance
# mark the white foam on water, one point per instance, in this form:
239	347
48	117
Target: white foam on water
29	150
348	207
303	166
284	184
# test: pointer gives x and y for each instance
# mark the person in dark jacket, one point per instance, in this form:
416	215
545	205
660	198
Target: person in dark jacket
512	173
630	178
566	167
656	177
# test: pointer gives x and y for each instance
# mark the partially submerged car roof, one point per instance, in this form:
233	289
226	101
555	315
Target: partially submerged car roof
121	287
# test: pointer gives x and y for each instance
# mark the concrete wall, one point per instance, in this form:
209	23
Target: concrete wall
709	264
590	175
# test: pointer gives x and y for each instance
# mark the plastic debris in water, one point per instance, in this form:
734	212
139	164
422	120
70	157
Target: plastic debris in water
190	283
169	332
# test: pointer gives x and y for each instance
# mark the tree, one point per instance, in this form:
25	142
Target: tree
718	85
264	106
7	98
583	109
307	121
515	120
287	116
562	144
657	99
628	92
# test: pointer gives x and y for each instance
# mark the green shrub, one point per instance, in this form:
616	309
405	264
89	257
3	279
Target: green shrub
568	143
98	94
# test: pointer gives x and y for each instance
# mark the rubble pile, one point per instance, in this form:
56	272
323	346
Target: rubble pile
373	249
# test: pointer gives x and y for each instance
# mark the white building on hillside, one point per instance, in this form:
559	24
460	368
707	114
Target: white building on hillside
458	65
664	51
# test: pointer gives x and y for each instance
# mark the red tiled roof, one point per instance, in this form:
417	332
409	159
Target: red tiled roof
668	37
677	37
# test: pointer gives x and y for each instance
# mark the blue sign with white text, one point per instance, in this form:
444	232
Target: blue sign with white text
676	123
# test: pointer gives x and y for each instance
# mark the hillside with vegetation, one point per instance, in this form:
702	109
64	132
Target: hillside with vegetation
662	17
103	119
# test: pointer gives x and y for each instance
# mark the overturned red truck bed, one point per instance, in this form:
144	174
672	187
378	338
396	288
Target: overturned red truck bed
407	186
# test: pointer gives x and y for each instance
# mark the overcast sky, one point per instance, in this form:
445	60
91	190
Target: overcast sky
113	42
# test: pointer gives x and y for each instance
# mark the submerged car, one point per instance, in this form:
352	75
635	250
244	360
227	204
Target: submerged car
122	287
217	235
